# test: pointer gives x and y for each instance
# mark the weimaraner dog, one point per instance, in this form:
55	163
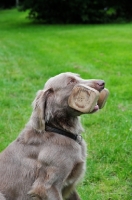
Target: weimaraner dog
48	158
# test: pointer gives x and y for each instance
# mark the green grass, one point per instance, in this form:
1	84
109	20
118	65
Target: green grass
31	53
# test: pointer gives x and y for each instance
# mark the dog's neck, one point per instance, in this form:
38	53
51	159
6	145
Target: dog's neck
70	124
66	122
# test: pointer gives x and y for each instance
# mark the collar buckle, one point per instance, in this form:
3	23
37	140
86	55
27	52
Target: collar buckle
79	138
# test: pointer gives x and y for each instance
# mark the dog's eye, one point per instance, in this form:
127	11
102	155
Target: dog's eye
72	80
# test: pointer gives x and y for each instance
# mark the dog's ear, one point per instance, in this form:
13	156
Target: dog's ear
39	106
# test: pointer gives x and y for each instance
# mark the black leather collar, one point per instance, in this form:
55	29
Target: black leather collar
76	137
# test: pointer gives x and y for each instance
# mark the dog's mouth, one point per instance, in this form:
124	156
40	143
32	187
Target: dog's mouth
86	99
96	108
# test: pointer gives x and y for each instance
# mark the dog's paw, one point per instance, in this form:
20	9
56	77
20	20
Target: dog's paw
33	195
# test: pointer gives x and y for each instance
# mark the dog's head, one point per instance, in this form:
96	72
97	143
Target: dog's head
51	103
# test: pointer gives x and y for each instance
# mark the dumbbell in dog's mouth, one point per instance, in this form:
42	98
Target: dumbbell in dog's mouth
86	99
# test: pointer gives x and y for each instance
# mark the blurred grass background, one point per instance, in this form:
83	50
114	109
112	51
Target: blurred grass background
32	53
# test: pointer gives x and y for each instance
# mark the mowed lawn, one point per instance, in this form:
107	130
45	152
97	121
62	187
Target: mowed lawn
32	53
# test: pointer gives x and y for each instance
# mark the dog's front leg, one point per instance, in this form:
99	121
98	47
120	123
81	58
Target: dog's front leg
44	187
73	196
45	194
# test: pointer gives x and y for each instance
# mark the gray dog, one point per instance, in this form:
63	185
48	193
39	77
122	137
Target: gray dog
47	160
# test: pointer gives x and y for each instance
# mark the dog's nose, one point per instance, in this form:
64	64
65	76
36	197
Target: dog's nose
100	84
